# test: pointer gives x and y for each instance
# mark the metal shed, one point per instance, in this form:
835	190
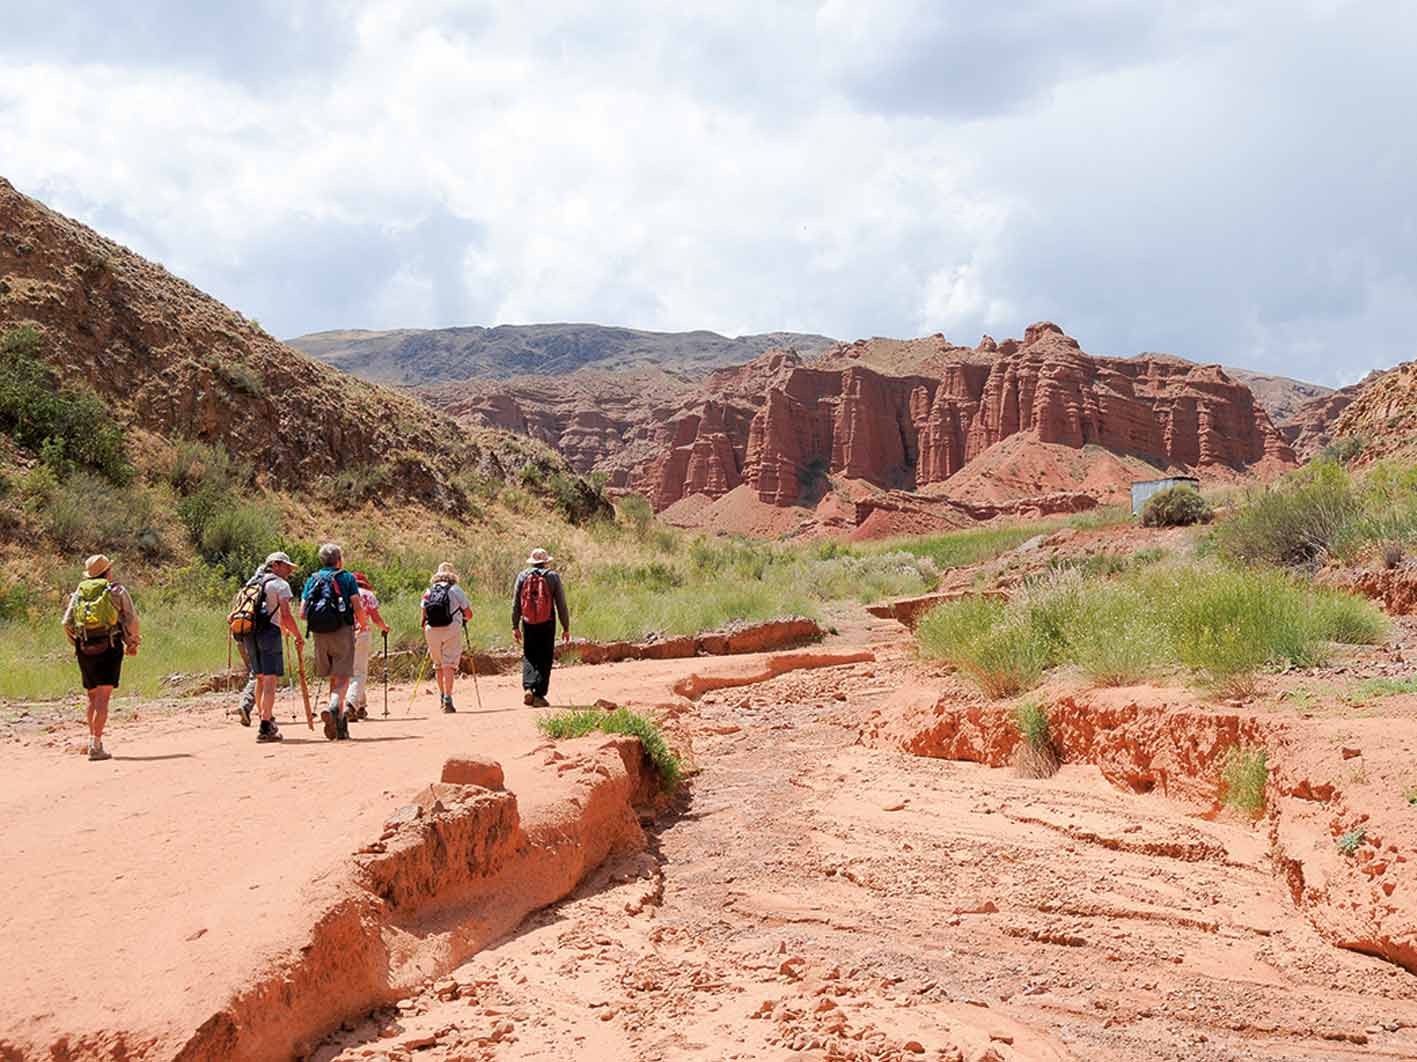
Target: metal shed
1144	489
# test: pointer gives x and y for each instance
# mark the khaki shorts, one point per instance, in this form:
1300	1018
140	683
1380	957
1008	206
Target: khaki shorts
334	653
445	644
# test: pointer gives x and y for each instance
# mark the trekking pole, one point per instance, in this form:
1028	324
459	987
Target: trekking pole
304	687
419	680
289	666
467	640
386	674
229	640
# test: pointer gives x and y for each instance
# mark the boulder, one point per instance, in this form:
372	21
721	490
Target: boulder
472	769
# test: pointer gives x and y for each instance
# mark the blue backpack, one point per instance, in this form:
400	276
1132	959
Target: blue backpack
326	609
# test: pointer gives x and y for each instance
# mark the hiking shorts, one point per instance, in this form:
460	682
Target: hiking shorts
265	653
445	644
101	668
334	653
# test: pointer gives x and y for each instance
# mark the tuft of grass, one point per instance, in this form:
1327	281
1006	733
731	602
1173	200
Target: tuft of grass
1351	841
1411	795
959	549
1003	653
1371	689
1243	776
1117	638
578	722
1036	757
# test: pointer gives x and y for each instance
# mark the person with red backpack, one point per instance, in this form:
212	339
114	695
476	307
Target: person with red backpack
102	624
537	600
445	609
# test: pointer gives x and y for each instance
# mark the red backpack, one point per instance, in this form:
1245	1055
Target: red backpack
536	598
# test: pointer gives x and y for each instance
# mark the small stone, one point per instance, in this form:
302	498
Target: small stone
915	1047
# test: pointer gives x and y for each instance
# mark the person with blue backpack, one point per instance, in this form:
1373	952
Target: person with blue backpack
102	624
333	611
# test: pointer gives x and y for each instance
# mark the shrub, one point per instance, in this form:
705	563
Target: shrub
1116	638
16	600
354	485
1344	450
1178	506
69	425
1341	617
193	466
1351	841
1295	523
1243	775
240	377
1003	653
578	722
1036	757
636	511
238	538
85	513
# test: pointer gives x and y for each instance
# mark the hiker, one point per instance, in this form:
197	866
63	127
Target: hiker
102	624
333	611
538	589
444	610
363	645
261	614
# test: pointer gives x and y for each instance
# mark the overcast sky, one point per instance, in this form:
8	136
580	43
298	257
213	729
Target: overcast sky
1227	181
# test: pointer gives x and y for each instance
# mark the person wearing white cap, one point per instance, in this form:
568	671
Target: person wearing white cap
537	600
261	645
102	624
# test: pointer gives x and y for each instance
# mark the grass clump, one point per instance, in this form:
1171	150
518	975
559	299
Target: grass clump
1296	523
1243	776
1036	757
1117	639
578	722
1370	689
1178	506
1349	842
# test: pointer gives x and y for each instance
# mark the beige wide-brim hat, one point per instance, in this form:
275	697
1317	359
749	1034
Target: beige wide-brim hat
445	574
539	556
97	565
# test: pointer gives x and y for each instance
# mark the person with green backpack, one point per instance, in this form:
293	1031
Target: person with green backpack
102	624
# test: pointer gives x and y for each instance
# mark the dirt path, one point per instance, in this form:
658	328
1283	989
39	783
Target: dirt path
816	898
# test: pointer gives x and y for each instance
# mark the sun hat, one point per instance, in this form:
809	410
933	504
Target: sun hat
97	565
445	574
280	558
362	580
539	556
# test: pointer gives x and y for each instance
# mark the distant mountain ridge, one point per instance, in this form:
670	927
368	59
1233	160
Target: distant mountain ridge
445	355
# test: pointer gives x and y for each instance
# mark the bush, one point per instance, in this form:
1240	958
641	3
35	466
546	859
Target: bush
237	539
1117	638
1295	523
1178	506
69	425
636	511
87	514
578	722
1243	776
16	600
240	378
1345	450
1003	653
352	486
193	466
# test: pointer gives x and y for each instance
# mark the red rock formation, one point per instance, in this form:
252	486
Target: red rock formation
788	428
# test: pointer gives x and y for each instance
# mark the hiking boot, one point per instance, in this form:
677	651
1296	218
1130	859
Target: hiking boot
98	752
529	698
342	731
330	718
361	712
540	702
244	711
269	732
448	703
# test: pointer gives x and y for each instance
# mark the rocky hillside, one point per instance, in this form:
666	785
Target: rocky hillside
1381	412
784	431
1281	397
173	362
426	357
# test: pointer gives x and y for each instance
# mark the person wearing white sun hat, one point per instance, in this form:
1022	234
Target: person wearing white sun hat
537	600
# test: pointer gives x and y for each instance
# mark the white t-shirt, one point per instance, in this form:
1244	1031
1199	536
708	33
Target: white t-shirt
457	600
277	592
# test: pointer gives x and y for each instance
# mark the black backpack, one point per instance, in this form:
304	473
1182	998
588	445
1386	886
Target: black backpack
438	609
326	609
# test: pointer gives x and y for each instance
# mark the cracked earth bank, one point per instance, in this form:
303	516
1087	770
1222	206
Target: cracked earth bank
817	896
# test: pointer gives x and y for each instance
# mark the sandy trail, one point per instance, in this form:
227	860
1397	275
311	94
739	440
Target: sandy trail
815	898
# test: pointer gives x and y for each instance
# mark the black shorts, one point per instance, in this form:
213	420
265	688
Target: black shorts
102	668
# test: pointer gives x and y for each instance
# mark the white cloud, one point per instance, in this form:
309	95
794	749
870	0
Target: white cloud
1225	182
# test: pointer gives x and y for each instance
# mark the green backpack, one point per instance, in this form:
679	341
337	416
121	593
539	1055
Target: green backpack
95	614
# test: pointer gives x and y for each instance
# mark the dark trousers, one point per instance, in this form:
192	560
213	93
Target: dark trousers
538	651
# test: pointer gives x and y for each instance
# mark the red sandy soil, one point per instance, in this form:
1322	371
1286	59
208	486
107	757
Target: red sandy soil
854	872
